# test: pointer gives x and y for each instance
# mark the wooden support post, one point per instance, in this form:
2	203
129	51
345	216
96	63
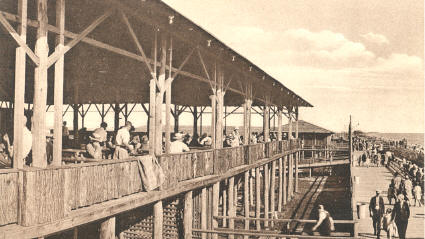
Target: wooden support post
213	120
272	189
224	206
152	108
257	197
266	194
187	215
75	122
279	123
160	98
158	220
176	118
280	189
58	86
251	188
297	157
204	212
215	202
290	123
247	121
266	123
19	103
117	110
246	199
296	122
231	201
75	236
195	120
168	115
219	127
291	177
40	89
285	179
107	229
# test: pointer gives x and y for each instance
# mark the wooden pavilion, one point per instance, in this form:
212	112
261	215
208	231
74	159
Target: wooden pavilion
114	53
312	135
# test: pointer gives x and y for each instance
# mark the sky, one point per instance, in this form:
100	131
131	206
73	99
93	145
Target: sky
354	57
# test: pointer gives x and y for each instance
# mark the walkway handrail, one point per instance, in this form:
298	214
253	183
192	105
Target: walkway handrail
283	220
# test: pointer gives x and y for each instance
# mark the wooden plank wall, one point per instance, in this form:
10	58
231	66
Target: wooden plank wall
9	196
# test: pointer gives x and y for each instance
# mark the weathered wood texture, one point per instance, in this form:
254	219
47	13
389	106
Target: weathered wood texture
9	197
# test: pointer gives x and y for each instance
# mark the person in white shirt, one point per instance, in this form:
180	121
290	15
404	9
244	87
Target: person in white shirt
27	143
122	140
177	146
205	140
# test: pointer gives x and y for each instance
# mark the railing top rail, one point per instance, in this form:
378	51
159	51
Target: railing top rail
284	220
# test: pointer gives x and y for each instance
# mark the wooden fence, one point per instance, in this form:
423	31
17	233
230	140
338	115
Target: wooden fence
9	179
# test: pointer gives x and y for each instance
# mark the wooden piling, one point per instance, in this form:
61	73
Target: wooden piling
231	206
257	197
280	189
224	204
158	220
107	229
285	179
215	202
187	215
272	189
246	200
204	212
297	156
251	188
266	193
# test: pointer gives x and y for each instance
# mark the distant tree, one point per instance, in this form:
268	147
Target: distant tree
358	133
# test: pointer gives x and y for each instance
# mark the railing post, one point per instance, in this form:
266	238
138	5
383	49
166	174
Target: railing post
231	200
296	170
266	193
280	190
107	229
204	212
257	197
246	200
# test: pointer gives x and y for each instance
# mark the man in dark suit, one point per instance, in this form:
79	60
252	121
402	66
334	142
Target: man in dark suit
400	215
377	210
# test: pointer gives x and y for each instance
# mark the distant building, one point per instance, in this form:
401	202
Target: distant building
310	133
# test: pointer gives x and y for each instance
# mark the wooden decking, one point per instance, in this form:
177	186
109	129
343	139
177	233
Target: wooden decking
378	178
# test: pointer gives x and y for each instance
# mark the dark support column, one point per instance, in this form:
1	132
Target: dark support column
75	122
279	123
296	122
176	118
290	136
195	120
19	104
266	123
116	117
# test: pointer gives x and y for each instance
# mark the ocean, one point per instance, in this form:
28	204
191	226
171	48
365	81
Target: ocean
412	138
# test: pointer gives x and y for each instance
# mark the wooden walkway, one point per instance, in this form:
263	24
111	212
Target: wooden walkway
378	178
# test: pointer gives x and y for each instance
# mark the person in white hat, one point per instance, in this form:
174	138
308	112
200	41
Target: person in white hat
177	146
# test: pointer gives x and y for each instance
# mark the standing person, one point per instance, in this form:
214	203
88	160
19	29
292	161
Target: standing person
26	146
401	214
65	135
325	223
376	210
122	140
408	189
177	146
417	193
237	136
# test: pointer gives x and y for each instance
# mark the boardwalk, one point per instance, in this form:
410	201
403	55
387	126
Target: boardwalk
379	178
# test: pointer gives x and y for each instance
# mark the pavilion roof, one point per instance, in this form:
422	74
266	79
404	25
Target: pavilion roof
306	127
106	67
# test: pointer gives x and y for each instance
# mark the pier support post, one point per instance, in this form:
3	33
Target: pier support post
279	123
266	122
187	215
204	212
289	122
280	187
266	193
285	180
246	200
231	207
157	220
297	157
272	190
215	201
224	199
257	197
107	229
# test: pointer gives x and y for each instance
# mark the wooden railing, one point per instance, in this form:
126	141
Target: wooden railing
35	196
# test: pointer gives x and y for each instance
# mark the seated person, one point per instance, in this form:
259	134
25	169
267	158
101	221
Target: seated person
205	140
195	141
178	146
144	144
93	148
135	141
228	141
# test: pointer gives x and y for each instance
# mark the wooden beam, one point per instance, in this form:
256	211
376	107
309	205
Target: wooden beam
61	52
136	41
280	187
40	90
257	197
18	38
266	193
279	123
179	70
246	199
58	86
213	120
272	189
19	107
285	180
151	120
187	215
231	203
158	220
266	123
297	157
